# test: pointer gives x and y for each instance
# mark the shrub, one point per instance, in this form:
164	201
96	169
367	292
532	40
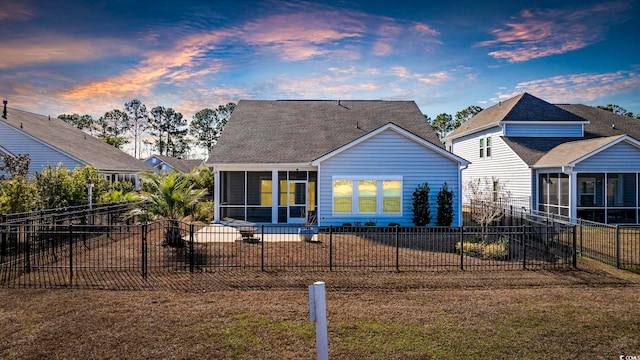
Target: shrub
471	248
204	211
17	195
346	224
495	251
420	203
393	224
370	223
445	206
498	250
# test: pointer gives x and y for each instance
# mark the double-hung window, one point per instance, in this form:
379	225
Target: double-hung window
485	147
367	195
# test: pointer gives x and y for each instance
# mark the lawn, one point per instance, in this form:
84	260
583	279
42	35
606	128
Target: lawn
593	312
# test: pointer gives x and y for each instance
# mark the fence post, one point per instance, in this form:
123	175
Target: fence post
70	255
27	244
617	246
397	248
581	226
3	230
461	247
262	249
524	247
575	249
330	247
144	250
192	255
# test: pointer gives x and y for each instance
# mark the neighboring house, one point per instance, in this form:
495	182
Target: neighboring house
574	160
50	141
342	161
163	163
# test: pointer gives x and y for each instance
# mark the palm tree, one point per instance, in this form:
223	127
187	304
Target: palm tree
170	196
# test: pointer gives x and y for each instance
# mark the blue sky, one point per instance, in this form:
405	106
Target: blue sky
89	57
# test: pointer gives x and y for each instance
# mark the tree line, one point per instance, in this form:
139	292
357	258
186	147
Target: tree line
164	129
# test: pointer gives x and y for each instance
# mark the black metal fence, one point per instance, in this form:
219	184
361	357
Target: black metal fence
617	245
102	255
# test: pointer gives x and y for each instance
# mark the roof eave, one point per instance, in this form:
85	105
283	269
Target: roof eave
472	131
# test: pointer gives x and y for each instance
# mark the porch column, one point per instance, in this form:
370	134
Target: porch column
216	196
573	195
275	197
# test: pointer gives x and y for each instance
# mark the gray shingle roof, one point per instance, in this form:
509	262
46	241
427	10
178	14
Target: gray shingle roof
602	124
524	107
567	153
299	131
75	142
182	165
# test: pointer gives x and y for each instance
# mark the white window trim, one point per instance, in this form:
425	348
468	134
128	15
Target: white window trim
485	147
379	195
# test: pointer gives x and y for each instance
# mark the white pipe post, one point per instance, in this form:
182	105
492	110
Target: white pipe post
318	314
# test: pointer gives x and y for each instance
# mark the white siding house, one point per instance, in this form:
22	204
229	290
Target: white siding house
573	160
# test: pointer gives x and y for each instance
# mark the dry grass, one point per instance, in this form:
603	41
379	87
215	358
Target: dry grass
590	313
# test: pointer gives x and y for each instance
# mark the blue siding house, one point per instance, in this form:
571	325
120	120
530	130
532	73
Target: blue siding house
281	162
50	141
574	160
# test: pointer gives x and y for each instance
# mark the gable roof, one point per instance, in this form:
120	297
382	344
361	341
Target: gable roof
300	131
524	107
398	130
181	165
74	142
573	151
602	124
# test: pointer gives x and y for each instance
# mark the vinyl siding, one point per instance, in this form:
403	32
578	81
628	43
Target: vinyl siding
503	164
543	131
41	154
621	157
391	154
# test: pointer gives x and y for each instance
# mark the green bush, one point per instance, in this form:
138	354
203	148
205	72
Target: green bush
17	195
204	211
420	204
445	206
370	223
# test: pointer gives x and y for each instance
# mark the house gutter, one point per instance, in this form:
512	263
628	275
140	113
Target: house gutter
471	131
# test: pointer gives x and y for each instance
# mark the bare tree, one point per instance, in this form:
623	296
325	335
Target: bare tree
488	199
139	118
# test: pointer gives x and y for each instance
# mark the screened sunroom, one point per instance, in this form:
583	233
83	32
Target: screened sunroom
280	197
609	197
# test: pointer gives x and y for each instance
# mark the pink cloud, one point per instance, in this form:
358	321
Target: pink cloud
15	11
179	63
303	35
46	49
539	33
578	87
433	78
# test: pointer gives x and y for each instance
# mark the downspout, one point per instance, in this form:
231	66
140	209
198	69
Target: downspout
318	184
460	185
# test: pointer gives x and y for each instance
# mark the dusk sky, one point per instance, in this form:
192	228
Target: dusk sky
89	57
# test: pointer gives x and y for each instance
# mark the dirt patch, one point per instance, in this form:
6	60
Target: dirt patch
587	313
